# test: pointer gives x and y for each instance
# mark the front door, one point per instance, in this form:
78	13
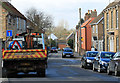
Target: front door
112	44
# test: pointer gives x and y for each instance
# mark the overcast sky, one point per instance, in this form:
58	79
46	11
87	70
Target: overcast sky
66	10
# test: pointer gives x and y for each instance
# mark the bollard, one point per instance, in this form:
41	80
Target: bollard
1	57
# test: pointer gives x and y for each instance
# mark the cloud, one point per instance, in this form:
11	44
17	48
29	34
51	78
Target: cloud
62	9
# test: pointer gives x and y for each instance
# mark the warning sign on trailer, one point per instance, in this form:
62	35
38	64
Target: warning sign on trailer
16	45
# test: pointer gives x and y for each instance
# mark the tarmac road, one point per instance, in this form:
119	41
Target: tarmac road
66	69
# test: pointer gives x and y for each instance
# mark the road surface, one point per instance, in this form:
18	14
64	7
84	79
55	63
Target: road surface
66	69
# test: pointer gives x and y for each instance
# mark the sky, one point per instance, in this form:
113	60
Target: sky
67	10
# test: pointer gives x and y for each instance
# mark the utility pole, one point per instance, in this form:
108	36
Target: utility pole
80	31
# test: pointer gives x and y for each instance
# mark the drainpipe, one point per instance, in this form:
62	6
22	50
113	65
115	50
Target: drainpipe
103	34
85	38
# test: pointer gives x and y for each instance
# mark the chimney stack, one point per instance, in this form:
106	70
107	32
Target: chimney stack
94	13
116	0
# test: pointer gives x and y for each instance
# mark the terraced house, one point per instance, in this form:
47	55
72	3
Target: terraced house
112	26
97	32
11	19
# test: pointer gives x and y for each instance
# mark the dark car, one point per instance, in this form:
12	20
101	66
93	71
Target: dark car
101	61
54	50
88	58
67	52
114	65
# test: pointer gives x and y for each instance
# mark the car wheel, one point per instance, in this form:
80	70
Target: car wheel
85	65
63	56
4	73
99	69
116	71
71	56
94	67
81	65
108	70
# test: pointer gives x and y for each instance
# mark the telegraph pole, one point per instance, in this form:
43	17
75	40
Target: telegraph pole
80	31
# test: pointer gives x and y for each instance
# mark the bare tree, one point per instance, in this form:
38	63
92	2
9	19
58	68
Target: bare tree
40	19
62	30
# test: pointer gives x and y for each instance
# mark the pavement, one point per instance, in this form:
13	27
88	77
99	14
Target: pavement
77	55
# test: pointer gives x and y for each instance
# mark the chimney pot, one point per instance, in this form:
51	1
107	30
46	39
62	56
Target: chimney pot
91	11
88	11
95	10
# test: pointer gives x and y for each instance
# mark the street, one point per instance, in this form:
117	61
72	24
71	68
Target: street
66	69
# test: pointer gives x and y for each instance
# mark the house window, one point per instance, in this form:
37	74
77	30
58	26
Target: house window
14	20
20	24
116	19
111	19
117	44
17	23
93	29
107	21
9	19
107	43
96	28
24	25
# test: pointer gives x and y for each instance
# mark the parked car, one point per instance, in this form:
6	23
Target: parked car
67	52
88	58
114	65
54	50
101	61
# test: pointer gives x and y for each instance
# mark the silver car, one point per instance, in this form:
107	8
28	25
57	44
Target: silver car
114	65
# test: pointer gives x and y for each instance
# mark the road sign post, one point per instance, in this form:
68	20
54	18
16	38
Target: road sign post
9	33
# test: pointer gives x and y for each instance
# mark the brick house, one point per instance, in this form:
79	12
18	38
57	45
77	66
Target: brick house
112	26
62	43
86	34
11	19
97	32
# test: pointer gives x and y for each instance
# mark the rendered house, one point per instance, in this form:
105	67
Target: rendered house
112	26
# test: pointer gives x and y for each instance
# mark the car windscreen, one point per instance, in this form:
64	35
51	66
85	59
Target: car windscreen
92	54
107	55
54	48
67	50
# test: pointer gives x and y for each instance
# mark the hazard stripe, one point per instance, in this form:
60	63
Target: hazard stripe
22	50
43	54
9	55
36	56
16	51
40	54
12	54
32	56
27	50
